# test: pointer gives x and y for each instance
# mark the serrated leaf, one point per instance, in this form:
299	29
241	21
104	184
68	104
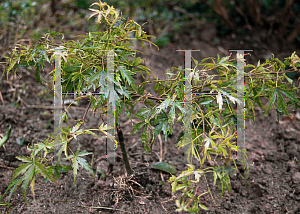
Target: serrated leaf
64	147
290	94
15	184
136	128
76	159
27	178
163	166
143	114
86	166
127	75
165	104
21	170
76	127
44	172
172	113
272	101
281	105
24	159
38	74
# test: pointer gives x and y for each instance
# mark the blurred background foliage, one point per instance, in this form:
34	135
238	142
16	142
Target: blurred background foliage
24	21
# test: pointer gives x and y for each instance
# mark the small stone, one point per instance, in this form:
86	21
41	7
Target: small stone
296	177
267	170
291	164
297	190
243	193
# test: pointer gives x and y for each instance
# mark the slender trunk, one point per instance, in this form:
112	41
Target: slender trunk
122	145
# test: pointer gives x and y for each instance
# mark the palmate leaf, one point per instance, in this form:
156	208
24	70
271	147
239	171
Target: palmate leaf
57	169
127	75
104	128
257	98
281	104
64	147
165	104
290	94
76	159
136	128
46	173
29	171
21	169
16	183
42	146
163	125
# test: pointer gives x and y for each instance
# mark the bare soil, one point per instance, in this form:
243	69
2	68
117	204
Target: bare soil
273	150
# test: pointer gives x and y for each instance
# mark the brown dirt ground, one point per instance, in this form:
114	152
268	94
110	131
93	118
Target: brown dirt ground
273	149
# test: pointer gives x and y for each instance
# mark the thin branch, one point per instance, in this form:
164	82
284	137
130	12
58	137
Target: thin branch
87	109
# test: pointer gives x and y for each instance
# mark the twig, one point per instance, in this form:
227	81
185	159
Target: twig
192	198
49	107
7	167
87	109
1	98
108	208
161	157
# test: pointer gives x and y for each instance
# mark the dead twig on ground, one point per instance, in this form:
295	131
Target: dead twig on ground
7	167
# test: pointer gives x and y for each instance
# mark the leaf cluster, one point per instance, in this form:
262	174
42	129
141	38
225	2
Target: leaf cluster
213	115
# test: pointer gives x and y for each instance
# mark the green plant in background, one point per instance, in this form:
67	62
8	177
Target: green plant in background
84	68
174	16
16	19
163	18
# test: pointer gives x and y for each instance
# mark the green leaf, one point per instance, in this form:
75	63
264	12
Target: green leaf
257	97
137	127
290	94
163	166
14	184
127	75
76	127
91	133
5	138
64	147
85	165
76	159
145	139
281	105
27	178
46	173
21	170
172	113
42	146
137	61
38	74
165	104
272	101
203	207
143	114
163	125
